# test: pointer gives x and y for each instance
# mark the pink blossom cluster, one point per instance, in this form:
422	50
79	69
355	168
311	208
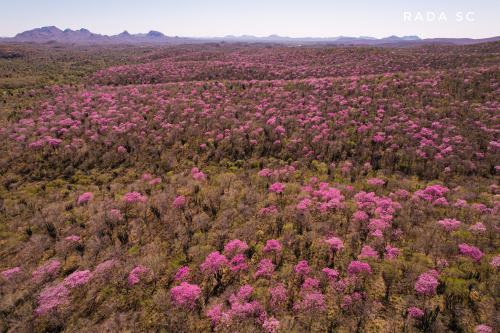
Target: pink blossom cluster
235	247
196	174
77	278
51	298
273	245
241	307
134	197
368	252
277	188
450	224
213	263
358	267
265	268
185	295
10	273
182	273
269	210
415	312
470	251
179	202
335	244
85	197
135	275
426	284
49	270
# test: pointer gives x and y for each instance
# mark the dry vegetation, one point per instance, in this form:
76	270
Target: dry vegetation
237	188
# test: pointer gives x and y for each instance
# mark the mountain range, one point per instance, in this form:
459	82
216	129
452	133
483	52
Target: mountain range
84	36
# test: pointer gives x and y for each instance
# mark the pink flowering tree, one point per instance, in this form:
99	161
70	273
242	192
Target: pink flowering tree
470	251
213	267
85	197
136	274
426	284
185	295
51	298
335	245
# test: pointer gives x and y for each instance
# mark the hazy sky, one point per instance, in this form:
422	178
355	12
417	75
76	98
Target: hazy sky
318	18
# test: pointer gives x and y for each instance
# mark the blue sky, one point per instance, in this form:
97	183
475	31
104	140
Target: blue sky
318	18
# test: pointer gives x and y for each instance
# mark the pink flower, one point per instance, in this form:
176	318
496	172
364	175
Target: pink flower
449	224
46	271
11	273
430	193
121	150
213	263
265	268
360	216
155	181
470	251
311	302
133	197
378	224
234	247
73	238
415	312
278	295
460	203
277	188
244	293
52	297
185	295
304	204
426	284
104	267
265	173
477	228
349	300
77	278
375	182
331	274
377	233
238	263
198	175
182	273
440	202
391	252
358	267
179	202
483	329
302	268
85	197
216	314
335	244
481	208
270	210
495	261
241	308
272	245
368	252
379	137
310	284
136	273
271	325
402	194
146	177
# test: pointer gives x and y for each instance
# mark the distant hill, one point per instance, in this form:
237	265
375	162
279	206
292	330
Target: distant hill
84	36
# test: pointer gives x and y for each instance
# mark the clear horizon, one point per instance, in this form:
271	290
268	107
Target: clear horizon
317	18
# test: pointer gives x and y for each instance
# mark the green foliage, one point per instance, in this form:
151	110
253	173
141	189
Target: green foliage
134	250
